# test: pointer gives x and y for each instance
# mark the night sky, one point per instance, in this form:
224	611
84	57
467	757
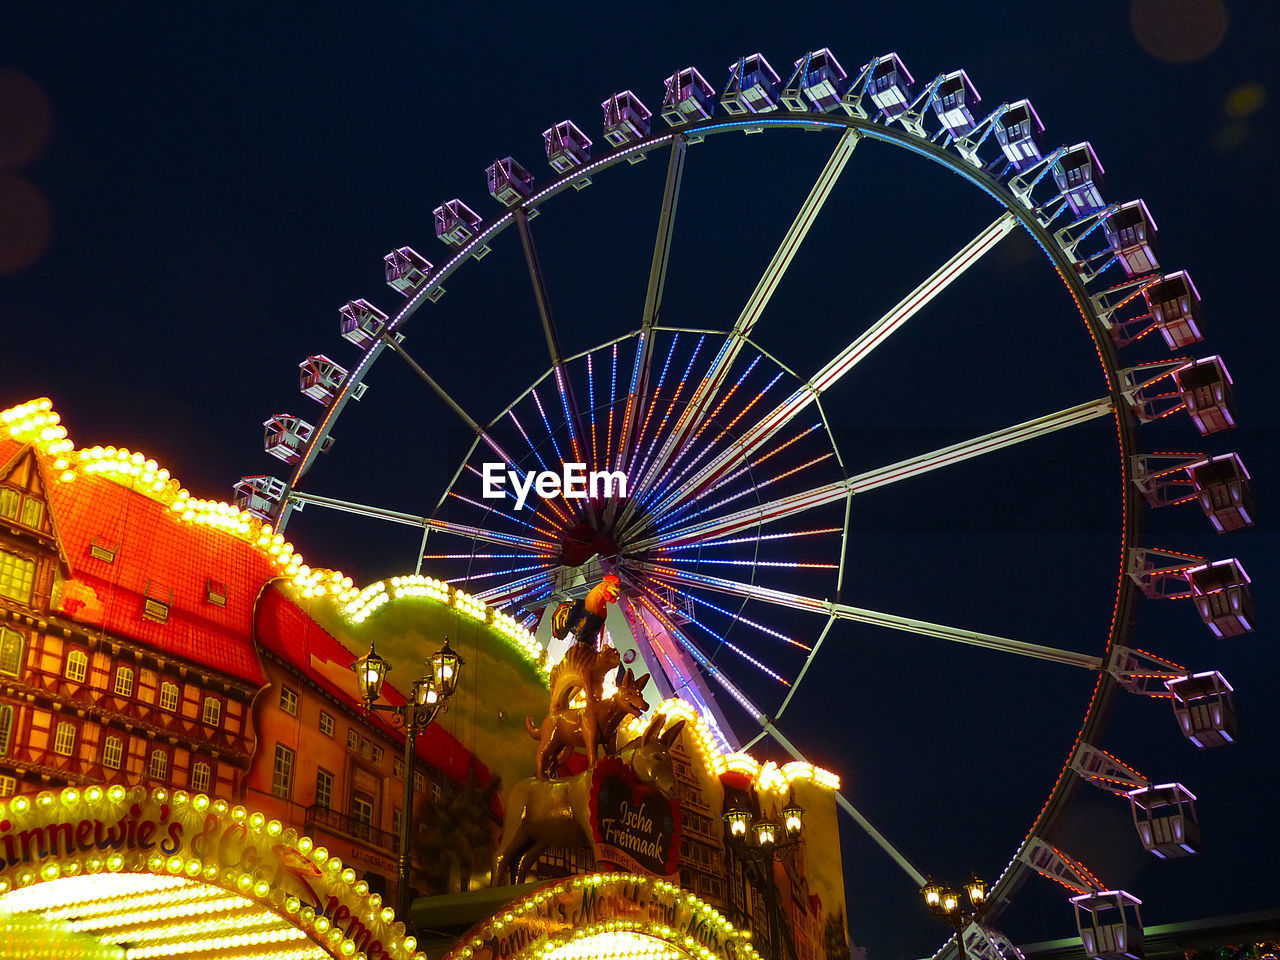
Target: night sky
216	184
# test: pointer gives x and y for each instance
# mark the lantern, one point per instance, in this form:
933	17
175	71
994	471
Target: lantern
371	673
444	666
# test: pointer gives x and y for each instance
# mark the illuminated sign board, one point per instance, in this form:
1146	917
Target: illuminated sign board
114	830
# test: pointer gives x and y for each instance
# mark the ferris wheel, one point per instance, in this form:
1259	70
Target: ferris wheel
705	473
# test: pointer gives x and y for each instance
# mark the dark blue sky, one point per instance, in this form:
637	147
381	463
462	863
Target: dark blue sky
221	182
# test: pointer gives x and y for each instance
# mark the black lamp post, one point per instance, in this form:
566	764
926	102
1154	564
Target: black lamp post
427	696
757	840
944	902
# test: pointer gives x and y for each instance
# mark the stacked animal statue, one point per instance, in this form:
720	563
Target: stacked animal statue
582	668
596	723
543	813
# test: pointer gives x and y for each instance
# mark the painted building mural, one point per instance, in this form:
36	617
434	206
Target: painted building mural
168	651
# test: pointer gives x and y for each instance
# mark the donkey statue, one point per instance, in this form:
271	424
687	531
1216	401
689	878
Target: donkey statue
594	724
543	813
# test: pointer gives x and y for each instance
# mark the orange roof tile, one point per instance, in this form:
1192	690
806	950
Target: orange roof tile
159	557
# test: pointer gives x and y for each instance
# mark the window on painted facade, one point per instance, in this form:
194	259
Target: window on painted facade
377	754
200	776
112	752
282	772
289	701
156	610
324	788
169	696
17	577
123	686
77	667
437	792
12	644
212	711
64	740
158	768
362	814
8	786
419	781
358	744
215	593
32	512
326	724
397	768
6	729
10	501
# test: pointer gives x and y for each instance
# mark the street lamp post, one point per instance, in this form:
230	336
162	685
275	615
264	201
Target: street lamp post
757	840
427	696
944	902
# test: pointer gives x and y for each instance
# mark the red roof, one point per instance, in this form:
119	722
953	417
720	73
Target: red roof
161	557
288	631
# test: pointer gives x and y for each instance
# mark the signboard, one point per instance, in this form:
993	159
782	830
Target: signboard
634	828
604	904
114	830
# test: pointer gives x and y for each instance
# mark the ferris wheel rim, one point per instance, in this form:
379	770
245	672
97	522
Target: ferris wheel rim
1103	697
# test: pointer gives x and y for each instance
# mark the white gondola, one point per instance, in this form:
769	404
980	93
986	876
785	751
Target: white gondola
752	87
953	103
1078	175
688	98
1110	925
1206	389
1020	135
817	80
626	118
1131	234
1223	597
361	322
258	495
1204	708
320	378
285	437
407	270
509	182
456	223
567	146
889	85
1223	492
1174	304
1166	820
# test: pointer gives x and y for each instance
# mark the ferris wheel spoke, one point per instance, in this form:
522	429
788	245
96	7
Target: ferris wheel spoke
507	593
391	341
876	618
848	358
468	532
563	383
915	466
652	301
707	390
879	838
808	662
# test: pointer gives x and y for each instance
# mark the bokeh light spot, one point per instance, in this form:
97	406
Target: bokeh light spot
1245	99
26	224
26	119
1178	31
